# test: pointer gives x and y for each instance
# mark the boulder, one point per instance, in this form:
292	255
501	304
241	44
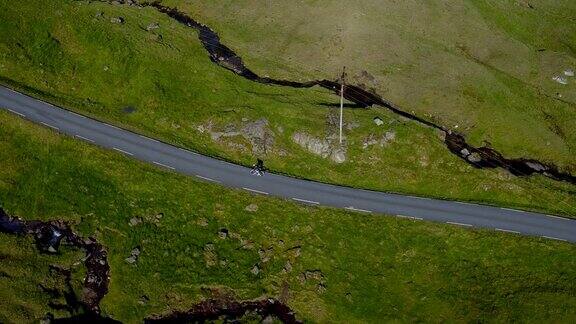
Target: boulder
378	121
369	141
390	136
152	26
251	208
133	256
338	156
135	221
117	20
474	158
536	166
560	79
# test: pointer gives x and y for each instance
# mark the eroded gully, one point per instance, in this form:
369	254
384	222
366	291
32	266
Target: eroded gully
48	237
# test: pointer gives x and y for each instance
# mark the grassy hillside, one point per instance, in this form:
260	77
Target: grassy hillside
483	67
362	268
161	82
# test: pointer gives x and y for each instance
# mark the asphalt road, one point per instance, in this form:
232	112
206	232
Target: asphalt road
306	192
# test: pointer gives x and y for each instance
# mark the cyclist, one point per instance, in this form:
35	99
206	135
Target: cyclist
258	168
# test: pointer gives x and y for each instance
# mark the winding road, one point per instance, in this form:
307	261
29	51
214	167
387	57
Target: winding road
302	191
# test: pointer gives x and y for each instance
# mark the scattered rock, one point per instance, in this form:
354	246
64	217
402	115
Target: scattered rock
255	270
364	76
378	121
246	244
128	109
389	136
321	288
474	157
152	26
154	219
143	300
349	297
464	152
311	275
47	319
423	160
264	255
133	256
369	141
569	72
352	125
280	129
126	2
560	79
288	267
223	233
48	238
106	68
251	208
295	251
135	221
210	257
117	20
268	320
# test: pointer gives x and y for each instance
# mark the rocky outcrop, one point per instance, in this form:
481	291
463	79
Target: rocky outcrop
257	133
384	140
321	147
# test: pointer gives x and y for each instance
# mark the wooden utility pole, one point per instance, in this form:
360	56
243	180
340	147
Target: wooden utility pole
342	100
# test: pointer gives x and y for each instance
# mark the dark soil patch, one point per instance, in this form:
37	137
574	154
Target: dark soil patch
129	109
212	310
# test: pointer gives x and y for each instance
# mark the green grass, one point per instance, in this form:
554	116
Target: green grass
64	52
23	271
375	267
445	60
